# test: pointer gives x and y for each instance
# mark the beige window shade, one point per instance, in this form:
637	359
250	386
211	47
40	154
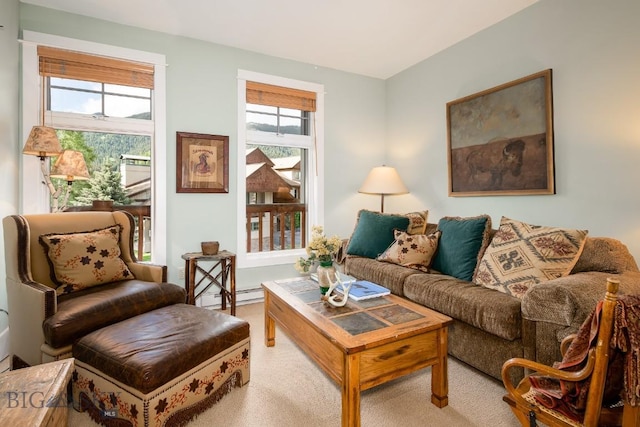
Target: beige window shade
278	96
81	66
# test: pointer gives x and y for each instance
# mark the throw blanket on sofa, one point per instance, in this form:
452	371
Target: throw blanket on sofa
570	397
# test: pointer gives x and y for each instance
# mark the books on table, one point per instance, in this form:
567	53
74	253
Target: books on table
363	289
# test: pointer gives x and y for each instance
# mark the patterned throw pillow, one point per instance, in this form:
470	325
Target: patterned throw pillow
82	260
522	255
412	250
417	222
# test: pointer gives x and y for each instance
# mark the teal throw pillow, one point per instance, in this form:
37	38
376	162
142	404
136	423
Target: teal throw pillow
374	233
462	244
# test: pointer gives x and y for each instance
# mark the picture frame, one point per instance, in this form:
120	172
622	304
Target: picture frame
202	163
500	141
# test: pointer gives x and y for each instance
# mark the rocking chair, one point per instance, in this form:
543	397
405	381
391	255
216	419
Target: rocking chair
528	409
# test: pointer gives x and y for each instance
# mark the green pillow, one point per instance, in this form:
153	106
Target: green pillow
374	233
462	243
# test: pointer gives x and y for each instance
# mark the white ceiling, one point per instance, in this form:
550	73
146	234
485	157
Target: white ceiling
376	38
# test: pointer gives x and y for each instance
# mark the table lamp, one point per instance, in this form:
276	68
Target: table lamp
383	180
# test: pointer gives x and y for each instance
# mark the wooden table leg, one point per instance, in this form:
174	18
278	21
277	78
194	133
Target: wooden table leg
190	275
269	323
223	282
351	391
232	274
439	373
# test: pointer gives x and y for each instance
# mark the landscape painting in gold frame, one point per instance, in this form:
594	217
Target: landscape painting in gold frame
202	163
500	141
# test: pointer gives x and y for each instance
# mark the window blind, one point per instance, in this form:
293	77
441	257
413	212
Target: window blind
278	96
69	64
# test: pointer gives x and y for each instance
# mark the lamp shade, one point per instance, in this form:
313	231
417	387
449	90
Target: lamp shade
70	165
383	180
43	142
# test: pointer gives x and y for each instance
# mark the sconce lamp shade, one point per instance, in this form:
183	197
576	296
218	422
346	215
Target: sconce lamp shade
42	142
383	180
70	165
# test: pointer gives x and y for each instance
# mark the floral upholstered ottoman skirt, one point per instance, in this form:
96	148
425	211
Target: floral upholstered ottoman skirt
160	368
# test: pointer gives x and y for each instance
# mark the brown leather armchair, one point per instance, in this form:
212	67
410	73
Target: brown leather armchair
42	324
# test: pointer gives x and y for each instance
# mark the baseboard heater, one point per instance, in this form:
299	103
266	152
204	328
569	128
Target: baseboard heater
245	296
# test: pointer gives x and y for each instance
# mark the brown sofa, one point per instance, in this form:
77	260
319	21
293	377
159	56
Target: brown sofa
489	326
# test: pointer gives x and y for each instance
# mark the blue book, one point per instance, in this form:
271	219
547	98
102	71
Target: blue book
363	289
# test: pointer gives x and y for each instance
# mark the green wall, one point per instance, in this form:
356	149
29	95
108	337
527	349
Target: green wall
9	122
201	97
592	47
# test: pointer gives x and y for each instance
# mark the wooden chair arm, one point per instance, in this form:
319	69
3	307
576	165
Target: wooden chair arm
566	342
541	369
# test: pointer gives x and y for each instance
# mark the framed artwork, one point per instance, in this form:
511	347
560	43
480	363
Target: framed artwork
500	141
202	163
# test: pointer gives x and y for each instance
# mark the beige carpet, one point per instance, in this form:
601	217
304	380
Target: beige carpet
288	389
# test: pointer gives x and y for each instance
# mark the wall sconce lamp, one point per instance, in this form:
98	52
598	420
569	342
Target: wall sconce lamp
383	180
70	165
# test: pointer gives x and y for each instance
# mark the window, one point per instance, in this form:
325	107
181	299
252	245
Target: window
279	162
110	100
99	99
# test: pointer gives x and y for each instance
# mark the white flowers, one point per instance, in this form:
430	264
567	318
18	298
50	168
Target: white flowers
320	248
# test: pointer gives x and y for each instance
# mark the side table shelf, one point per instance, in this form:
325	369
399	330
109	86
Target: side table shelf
222	274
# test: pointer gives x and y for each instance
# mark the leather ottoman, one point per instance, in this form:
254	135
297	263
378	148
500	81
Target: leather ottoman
160	368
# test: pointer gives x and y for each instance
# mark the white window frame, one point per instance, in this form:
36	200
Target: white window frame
34	195
315	170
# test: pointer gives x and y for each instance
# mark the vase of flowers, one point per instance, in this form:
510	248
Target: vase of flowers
322	250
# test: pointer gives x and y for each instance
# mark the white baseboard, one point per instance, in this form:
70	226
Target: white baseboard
4	343
247	296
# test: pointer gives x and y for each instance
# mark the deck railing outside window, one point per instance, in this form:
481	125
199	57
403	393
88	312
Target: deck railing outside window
142	235
276	226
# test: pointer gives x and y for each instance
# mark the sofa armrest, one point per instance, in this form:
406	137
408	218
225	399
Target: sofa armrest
148	272
568	300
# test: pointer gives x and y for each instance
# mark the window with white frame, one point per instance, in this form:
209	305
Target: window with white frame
109	100
279	167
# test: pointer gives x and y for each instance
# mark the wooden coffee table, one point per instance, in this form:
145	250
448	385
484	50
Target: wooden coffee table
363	344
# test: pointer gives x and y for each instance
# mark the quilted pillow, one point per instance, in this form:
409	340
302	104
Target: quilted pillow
81	260
374	233
461	245
412	250
522	255
417	222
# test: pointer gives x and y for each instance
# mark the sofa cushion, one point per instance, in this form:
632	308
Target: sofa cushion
85	311
412	250
82	260
493	312
522	255
605	254
374	233
461	245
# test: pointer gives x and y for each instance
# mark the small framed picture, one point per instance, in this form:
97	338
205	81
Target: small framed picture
202	163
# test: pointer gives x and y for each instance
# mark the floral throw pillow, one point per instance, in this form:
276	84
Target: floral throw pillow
522	255
412	250
81	260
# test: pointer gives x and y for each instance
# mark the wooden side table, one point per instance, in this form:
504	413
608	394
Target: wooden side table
221	274
37	395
